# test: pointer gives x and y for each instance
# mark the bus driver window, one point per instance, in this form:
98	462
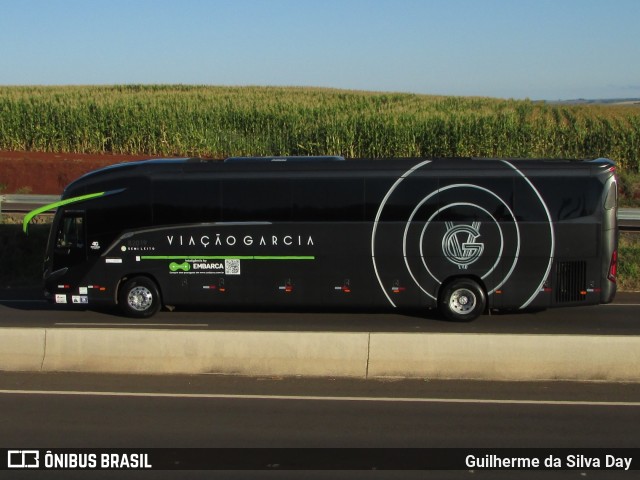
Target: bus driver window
71	233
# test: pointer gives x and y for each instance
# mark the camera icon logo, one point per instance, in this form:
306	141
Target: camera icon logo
23	459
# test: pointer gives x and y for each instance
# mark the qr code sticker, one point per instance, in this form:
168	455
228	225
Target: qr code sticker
232	266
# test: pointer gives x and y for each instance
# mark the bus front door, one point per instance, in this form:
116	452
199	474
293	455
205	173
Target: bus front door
71	247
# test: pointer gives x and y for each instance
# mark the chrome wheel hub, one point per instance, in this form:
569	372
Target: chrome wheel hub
462	301
140	299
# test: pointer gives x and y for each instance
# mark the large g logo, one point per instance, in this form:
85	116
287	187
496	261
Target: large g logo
459	244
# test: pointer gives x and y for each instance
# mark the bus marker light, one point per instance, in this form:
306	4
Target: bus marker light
613	267
286	288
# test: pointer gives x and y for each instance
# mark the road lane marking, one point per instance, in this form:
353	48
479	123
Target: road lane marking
108	324
226	396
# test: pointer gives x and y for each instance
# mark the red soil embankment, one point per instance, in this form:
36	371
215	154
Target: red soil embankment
49	173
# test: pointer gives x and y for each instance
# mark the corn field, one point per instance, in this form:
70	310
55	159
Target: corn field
216	122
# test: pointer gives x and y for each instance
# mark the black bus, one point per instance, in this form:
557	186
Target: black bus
462	235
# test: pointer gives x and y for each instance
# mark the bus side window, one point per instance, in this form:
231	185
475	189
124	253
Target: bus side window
71	232
327	199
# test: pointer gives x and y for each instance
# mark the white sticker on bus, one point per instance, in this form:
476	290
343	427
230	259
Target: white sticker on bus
232	266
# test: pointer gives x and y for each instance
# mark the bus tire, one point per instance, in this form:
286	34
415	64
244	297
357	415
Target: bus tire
139	297
462	300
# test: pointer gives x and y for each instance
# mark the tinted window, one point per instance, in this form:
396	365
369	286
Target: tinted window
193	201
612	197
327	200
71	232
566	198
256	200
129	208
404	199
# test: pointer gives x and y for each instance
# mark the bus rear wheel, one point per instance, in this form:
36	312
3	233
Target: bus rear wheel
139	297
462	300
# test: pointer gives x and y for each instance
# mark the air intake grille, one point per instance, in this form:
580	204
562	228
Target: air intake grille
571	281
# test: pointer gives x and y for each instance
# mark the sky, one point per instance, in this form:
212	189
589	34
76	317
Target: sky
537	49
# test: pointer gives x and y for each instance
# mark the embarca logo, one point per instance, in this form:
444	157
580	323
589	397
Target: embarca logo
459	244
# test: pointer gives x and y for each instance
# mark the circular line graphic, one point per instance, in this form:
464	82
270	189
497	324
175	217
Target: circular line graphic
551	233
385	234
448	187
377	219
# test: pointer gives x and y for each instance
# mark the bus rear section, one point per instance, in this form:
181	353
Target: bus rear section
478	234
583	207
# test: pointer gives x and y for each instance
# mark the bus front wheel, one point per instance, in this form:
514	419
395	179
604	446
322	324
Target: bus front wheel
139	297
462	300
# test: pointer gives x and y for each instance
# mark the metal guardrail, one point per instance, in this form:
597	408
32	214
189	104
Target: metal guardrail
628	218
17	203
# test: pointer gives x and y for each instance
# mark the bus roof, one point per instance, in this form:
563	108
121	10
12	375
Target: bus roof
282	165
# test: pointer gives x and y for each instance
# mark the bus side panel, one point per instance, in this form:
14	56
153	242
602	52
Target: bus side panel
261	264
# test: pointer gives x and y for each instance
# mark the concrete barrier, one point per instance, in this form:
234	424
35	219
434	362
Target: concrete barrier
505	356
22	349
203	351
322	354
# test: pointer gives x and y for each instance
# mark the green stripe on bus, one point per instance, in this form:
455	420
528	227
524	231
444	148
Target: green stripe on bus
52	206
227	257
284	257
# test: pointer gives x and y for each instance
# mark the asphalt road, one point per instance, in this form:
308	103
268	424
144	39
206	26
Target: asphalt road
110	411
23	309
